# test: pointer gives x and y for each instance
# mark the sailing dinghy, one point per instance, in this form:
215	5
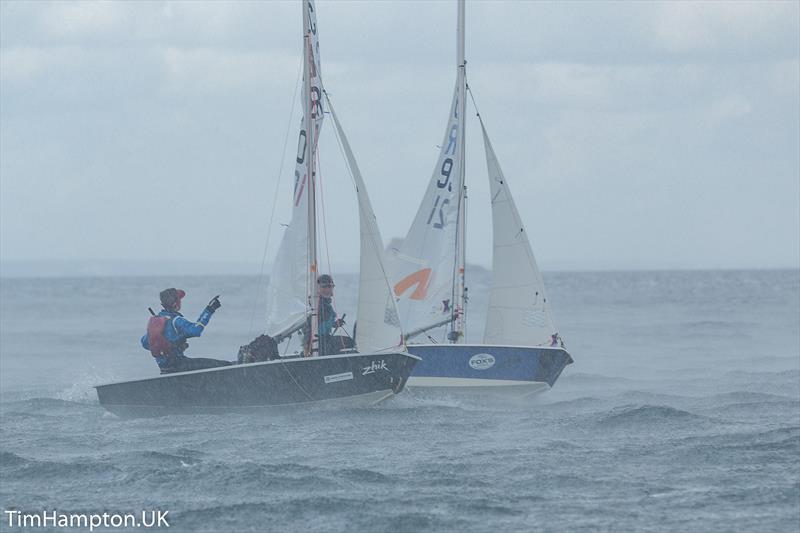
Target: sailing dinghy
377	368
521	350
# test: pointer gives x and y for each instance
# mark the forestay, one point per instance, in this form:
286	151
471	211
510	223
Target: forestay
378	324
288	290
423	268
518	310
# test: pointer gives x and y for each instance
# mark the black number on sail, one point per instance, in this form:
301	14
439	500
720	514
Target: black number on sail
447	168
316	103
440	224
430	217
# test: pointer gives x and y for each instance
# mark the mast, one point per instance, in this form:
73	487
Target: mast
459	297
309	73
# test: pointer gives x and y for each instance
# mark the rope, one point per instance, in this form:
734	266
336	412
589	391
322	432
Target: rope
274	204
472	97
324	226
284	366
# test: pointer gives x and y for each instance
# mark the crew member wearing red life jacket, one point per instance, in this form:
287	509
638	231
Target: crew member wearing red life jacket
167	333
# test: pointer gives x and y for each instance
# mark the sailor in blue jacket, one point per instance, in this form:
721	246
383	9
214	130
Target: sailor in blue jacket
328	320
167	333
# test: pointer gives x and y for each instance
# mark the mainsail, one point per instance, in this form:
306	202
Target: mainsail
378	324
518	310
293	281
290	282
423	266
427	270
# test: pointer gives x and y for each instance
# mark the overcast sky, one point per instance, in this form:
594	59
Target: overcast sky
633	135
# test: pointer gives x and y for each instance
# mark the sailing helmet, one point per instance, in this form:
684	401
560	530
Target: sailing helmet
170	298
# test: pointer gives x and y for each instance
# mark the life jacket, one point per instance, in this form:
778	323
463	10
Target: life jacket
159	345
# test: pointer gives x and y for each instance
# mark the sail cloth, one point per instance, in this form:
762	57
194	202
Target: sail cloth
423	267
378	324
287	293
518	310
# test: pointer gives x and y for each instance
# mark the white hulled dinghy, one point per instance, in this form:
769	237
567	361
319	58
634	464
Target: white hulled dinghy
521	350
378	365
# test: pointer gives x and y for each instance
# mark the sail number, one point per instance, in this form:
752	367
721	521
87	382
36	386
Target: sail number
437	216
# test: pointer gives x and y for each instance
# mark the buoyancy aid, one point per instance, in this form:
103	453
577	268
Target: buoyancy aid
159	345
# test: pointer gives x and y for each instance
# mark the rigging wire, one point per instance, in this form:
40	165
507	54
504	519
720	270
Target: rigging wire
472	97
297	383
324	223
274	202
322	208
349	172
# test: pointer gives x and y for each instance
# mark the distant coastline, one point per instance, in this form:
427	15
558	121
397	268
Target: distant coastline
140	268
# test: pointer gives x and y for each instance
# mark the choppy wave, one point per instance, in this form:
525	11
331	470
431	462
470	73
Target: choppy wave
576	404
748	397
632	415
574	378
8	459
777	448
44	404
782	376
665	414
70	470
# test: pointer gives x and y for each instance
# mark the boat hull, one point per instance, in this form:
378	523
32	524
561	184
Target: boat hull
351	379
522	369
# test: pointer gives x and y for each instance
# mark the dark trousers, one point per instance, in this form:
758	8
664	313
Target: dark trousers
334	344
181	363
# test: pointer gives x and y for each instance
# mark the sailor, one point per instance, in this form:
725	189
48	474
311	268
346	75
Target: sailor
327	319
167	333
327	314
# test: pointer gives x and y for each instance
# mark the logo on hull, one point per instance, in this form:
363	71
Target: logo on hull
481	361
373	366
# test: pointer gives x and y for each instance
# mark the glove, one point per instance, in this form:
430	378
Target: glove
214	304
339	322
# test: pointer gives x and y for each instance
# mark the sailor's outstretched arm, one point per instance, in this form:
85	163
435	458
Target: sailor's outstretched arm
193	329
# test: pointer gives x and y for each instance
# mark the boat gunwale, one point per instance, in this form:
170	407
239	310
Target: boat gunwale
491	345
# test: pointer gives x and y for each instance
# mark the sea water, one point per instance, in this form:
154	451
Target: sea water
680	413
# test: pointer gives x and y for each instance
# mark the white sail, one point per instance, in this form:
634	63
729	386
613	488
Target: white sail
427	269
378	324
289	286
518	310
424	266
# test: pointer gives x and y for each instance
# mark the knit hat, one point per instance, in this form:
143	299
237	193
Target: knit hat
171	297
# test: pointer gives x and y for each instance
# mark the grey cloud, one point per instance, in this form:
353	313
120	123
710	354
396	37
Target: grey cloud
633	134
